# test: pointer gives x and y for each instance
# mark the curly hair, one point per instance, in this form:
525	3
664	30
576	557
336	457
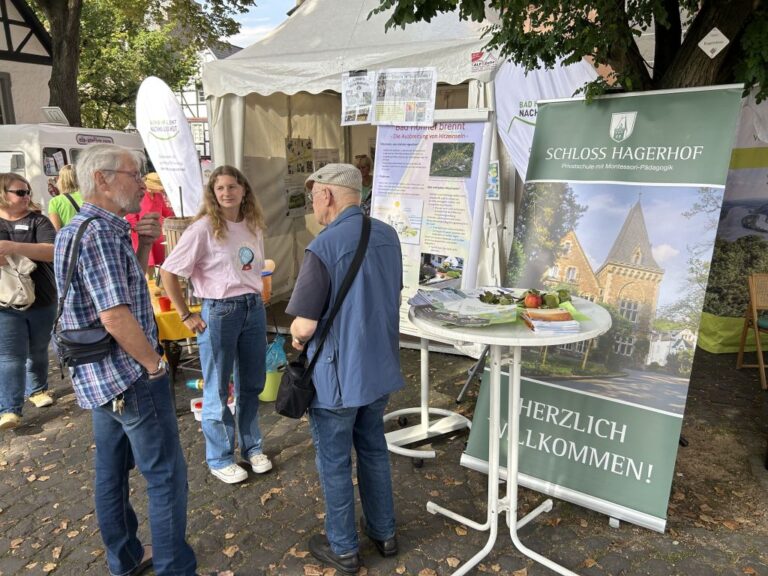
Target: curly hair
250	208
8	178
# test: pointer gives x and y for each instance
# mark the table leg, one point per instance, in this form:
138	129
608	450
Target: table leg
494	435
424	430
509	503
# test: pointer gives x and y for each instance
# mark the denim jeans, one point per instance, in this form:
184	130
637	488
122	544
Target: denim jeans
146	435
24	338
234	341
334	433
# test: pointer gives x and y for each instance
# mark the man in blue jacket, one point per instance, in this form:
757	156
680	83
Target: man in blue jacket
358	367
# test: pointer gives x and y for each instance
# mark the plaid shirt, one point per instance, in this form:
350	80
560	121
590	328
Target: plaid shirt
108	275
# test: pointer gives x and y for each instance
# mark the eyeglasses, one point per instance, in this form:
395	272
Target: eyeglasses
312	192
135	175
21	193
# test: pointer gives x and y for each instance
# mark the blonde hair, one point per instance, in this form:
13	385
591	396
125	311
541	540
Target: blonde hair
8	178
363	160
250	208
67	182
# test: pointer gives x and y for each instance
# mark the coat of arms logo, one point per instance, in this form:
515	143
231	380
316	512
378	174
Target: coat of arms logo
622	125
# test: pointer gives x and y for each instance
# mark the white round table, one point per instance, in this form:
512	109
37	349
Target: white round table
514	336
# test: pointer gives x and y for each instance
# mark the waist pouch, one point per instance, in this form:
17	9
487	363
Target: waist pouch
82	345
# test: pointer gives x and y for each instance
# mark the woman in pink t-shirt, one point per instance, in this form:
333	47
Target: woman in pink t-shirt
154	200
222	254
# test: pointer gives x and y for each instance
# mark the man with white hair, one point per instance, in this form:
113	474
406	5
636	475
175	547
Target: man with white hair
358	367
128	391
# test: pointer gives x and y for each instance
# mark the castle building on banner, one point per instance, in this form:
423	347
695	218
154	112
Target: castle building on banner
629	279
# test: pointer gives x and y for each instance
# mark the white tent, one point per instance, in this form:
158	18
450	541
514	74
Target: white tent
288	86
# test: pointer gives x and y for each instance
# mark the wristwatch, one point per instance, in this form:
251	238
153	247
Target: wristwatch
162	369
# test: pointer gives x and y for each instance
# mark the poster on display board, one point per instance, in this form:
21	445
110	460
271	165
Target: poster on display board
357	89
429	185
616	210
405	96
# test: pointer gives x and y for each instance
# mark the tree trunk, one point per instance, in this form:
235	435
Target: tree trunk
692	67
64	19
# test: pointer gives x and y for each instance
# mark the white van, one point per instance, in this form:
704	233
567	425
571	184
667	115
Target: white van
38	151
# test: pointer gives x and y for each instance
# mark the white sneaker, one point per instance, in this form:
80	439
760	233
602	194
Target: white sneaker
231	474
9	421
260	463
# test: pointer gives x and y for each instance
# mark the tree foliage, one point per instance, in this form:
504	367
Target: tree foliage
545	32
732	263
549	211
118	52
107	46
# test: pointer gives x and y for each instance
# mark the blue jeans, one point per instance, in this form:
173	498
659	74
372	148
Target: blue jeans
146	435
334	433
24	338
235	341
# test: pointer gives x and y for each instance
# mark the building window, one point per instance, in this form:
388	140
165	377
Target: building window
554	271
578	347
6	100
566	248
637	257
629	310
624	345
570	274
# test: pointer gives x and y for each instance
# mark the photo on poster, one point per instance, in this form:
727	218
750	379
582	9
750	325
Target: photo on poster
403	214
643	253
451	160
437	268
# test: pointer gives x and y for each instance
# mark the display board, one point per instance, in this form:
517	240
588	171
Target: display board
616	210
429	185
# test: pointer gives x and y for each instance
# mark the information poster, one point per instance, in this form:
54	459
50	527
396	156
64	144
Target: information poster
616	210
405	96
425	188
357	90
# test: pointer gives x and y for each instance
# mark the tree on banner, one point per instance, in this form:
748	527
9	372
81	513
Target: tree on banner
734	34
548	213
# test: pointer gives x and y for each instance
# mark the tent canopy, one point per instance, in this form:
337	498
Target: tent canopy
324	38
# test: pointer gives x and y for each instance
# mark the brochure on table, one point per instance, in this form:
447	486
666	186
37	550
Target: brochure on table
616	209
430	186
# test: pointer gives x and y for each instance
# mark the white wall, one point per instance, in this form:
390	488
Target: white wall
29	87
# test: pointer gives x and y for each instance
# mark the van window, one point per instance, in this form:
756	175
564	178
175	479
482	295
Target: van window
12	162
54	159
74	154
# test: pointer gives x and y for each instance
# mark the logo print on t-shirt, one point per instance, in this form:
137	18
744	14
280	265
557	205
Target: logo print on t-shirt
246	257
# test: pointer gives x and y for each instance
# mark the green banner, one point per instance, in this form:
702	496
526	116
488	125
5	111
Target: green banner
618	209
674	137
581	442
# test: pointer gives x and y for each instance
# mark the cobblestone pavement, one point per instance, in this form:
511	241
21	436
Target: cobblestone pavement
717	517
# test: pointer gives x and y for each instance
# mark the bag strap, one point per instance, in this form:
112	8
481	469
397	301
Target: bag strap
362	246
74	252
72	200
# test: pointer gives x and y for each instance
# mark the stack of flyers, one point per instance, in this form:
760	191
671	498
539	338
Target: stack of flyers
550	321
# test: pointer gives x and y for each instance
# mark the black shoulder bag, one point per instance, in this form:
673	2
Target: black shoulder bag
79	345
72	201
296	388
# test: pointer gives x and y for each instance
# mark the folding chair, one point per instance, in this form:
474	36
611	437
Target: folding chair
758	302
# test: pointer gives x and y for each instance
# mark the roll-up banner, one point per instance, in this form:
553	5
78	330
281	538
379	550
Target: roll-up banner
618	209
168	139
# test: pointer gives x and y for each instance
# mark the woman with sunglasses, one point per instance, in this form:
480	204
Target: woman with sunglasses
25	334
